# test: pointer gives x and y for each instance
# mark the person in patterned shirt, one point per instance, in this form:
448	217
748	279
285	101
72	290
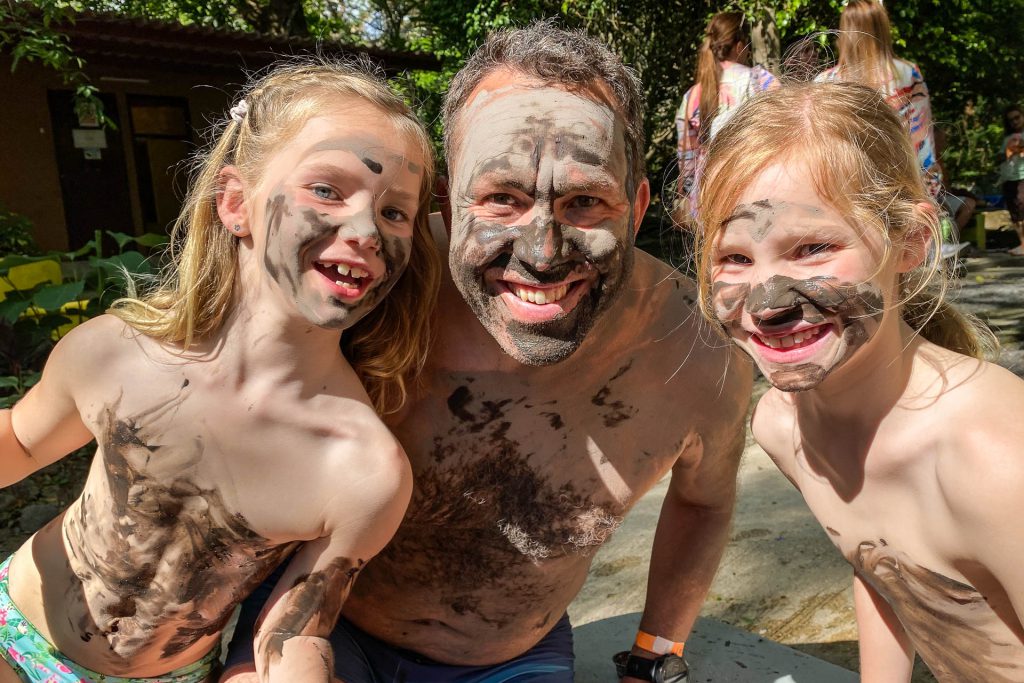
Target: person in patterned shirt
724	80
866	56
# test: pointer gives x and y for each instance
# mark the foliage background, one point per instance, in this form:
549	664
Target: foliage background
971	51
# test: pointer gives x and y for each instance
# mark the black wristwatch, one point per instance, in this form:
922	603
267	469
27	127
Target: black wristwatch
664	669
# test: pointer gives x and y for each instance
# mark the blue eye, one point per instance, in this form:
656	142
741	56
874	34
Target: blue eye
324	191
393	214
502	199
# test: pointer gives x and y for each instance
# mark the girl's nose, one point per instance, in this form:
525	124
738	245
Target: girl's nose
361	231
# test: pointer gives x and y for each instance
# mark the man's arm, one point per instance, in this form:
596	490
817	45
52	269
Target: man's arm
694	524
291	641
886	655
45	425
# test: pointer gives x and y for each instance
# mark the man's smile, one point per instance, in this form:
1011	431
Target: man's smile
530	301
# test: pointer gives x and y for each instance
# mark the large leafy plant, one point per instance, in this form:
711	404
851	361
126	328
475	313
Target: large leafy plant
33	319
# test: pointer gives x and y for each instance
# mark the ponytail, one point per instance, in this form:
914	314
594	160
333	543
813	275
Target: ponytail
723	32
709	77
941	323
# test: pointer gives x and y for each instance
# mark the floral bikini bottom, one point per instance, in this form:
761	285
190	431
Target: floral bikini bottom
36	660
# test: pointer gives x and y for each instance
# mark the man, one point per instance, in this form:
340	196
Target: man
571	373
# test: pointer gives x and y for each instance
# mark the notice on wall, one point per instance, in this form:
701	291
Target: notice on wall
89	138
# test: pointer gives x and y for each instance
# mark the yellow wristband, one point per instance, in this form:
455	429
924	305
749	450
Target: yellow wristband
658	645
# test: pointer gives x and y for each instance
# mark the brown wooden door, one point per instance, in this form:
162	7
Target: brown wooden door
93	180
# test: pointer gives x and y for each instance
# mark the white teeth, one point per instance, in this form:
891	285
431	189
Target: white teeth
541	296
345	269
788	341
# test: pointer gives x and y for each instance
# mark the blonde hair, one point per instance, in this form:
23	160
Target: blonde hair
865	44
861	162
723	32
196	290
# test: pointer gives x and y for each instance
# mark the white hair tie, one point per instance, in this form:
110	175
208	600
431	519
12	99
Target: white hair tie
239	111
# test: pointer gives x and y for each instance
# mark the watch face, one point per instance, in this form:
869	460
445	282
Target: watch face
671	669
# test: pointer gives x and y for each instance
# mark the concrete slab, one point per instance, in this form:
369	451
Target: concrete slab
717	653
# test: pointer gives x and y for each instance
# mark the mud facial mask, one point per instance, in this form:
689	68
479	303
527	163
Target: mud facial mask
542	232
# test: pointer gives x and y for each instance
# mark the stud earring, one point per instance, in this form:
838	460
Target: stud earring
237	228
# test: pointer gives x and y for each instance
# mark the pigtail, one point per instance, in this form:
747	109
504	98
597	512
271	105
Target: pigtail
930	313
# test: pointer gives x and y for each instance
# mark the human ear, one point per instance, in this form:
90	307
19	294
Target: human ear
640	204
231	206
918	239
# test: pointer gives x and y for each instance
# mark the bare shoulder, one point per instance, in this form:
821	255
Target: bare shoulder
773	425
341	470
665	313
978	420
364	457
95	344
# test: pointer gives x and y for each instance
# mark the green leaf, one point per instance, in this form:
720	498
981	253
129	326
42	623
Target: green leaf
152	239
122	239
53	297
133	262
88	247
11	310
9	382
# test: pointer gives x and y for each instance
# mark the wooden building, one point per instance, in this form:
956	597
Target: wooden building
162	84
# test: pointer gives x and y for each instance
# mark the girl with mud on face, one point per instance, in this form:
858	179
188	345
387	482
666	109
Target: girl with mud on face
816	257
235	405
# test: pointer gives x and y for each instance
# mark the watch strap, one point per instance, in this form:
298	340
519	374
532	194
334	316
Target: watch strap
639	667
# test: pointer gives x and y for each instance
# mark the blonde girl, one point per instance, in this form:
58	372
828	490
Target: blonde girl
815	226
866	56
229	425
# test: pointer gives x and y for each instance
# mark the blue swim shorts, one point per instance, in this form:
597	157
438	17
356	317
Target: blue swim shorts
361	658
36	660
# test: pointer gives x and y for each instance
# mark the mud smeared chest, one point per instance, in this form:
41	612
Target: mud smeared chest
161	557
951	624
490	501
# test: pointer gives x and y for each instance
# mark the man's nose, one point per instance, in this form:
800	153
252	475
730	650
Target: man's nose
540	243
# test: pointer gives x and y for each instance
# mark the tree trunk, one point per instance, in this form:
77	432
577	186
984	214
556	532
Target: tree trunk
765	47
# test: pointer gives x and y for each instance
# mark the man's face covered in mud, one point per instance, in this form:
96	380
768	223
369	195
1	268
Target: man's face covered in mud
543	215
794	283
335	212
